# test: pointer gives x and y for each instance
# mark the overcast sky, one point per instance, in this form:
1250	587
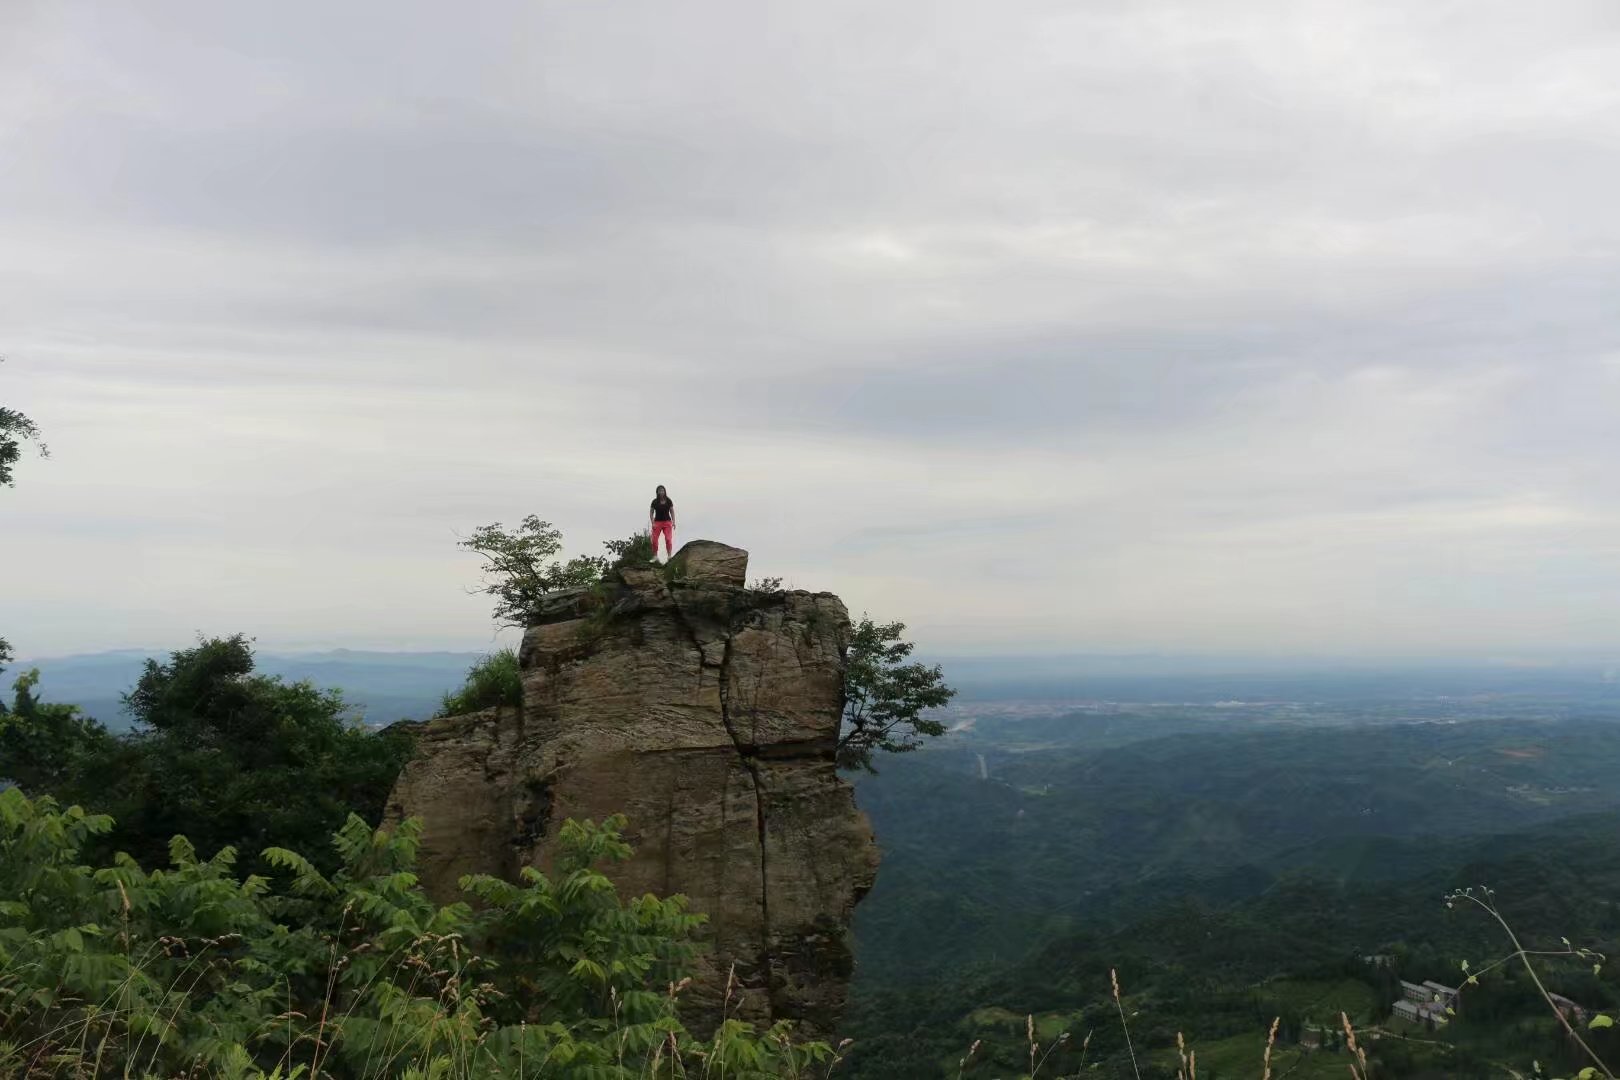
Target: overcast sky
1095	326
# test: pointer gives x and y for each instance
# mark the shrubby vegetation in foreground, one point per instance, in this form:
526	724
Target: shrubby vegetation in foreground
114	970
492	681
224	755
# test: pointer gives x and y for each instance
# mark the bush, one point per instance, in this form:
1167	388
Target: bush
523	566
634	550
44	746
192	972
494	680
231	758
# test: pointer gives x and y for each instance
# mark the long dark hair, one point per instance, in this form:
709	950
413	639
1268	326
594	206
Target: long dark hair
660	493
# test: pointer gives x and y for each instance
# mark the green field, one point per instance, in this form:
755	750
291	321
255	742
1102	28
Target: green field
1321	1002
1048	1026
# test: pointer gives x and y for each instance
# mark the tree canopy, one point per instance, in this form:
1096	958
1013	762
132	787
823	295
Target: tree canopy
45	746
886	699
522	565
225	756
16	429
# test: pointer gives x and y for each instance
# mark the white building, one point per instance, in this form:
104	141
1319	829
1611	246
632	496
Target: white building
1427	1002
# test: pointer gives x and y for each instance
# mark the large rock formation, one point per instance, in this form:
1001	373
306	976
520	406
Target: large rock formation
706	712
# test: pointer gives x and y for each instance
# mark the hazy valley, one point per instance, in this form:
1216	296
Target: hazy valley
1235	847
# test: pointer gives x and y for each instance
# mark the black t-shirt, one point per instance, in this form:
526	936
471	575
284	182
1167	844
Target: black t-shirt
663	511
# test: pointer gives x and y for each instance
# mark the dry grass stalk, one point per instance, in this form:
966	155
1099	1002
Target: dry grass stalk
1113	978
1188	1070
1271	1041
1355	1048
838	1055
1057	1042
962	1064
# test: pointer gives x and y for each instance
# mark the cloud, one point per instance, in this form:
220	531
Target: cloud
1169	324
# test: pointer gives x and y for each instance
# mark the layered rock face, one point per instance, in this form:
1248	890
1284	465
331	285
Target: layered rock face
706	712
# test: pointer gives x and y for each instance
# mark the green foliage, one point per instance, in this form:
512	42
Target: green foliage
1205	862
634	550
114	970
230	758
521	566
1483	898
44	747
494	680
885	698
16	429
616	951
236	759
1059	837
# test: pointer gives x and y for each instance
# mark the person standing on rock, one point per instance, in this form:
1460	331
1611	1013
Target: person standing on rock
661	516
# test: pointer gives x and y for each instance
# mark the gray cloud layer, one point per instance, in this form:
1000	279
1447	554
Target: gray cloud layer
1183	325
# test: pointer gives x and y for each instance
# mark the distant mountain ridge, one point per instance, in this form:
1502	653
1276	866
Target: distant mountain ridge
382	686
390	685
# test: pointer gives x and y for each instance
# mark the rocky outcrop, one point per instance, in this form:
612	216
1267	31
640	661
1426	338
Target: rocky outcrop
708	714
461	783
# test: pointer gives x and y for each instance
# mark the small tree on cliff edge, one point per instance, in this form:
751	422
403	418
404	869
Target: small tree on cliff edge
521	566
885	697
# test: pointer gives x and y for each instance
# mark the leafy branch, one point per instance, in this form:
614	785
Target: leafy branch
1485	899
16	429
885	698
521	567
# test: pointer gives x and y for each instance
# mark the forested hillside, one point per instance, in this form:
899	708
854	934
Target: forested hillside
1231	863
1061	838
1231	874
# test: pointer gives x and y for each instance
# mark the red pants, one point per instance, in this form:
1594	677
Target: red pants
666	529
